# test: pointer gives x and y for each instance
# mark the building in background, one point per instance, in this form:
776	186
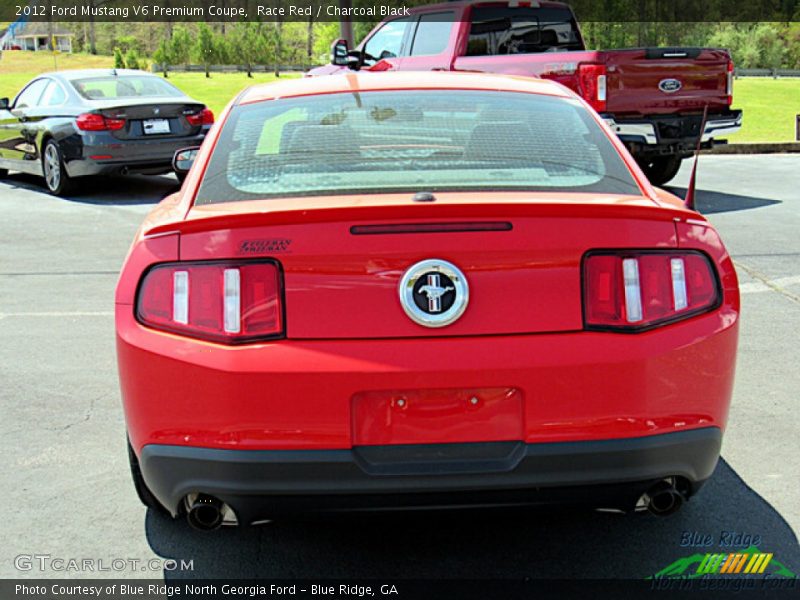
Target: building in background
23	35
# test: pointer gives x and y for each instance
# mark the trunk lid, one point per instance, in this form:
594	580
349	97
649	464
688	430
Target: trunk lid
342	282
666	80
152	118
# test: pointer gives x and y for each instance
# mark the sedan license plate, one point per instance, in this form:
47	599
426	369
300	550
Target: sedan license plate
155	126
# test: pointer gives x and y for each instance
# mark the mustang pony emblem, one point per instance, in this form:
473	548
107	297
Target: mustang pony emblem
434	292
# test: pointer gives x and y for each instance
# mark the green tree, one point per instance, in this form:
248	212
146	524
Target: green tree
163	56
223	50
119	59
180	46
277	39
204	48
249	45
324	35
752	45
132	60
294	38
129	42
792	59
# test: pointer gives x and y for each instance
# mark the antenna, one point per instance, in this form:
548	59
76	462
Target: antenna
689	200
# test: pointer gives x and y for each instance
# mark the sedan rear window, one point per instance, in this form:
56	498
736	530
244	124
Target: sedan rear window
410	141
124	86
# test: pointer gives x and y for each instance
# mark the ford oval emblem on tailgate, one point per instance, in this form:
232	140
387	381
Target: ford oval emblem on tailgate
669	86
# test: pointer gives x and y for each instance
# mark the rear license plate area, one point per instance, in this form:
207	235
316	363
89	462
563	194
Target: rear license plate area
155	126
437	416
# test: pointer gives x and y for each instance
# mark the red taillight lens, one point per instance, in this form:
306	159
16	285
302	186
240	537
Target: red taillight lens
223	302
592	80
96	122
638	290
729	82
204	117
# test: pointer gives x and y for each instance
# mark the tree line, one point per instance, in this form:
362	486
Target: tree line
753	45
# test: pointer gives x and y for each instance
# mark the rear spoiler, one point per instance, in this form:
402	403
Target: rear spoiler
377	214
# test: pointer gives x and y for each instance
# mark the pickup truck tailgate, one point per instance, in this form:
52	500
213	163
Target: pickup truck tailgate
666	80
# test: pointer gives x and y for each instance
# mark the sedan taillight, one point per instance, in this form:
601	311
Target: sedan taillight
224	302
97	122
592	79
204	117
639	290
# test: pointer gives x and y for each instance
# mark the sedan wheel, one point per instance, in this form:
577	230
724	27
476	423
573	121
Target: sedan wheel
56	178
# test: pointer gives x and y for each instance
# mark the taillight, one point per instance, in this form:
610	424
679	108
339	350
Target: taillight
204	117
97	122
638	290
729	86
592	81
224	302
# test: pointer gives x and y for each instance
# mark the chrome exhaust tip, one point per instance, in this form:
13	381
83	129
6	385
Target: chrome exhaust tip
664	498
207	513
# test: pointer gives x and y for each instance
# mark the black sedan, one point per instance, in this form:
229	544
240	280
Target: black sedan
72	124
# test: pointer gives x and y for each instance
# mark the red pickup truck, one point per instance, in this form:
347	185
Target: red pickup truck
653	98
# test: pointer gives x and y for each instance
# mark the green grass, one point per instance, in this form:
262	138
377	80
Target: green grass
770	105
220	88
770	108
17	68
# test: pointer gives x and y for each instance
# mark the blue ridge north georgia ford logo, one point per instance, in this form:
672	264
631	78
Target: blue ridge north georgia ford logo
669	86
434	293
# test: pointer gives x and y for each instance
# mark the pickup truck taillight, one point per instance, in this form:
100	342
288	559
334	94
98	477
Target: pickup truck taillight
228	302
729	87
204	117
592	82
641	289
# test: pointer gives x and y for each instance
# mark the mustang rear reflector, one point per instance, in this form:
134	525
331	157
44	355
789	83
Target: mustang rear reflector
224	302
630	290
233	300
180	297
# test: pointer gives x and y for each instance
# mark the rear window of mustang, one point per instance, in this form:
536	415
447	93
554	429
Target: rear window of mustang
429	140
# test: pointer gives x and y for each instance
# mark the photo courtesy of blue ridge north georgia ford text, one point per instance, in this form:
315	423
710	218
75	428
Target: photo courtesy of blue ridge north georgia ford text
419	300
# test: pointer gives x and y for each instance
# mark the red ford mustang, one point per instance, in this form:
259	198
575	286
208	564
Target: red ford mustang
423	289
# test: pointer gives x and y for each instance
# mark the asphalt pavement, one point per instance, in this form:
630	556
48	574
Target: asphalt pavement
64	473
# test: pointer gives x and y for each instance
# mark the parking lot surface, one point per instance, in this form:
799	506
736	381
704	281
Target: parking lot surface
64	469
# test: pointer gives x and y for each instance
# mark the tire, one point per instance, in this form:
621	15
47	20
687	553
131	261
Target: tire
144	493
3	173
661	169
55	175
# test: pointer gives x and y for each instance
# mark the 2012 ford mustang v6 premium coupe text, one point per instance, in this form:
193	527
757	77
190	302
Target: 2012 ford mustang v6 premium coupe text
415	290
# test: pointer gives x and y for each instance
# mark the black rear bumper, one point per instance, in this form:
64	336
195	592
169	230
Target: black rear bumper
675	134
262	483
103	154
